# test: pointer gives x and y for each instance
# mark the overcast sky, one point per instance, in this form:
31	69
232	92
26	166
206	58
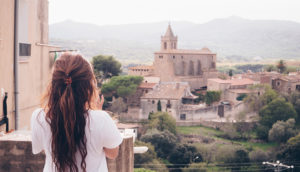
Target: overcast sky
103	12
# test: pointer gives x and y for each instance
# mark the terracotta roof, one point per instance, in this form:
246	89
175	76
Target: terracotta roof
141	67
126	126
181	51
221	81
292	78
244	81
240	91
147	85
233	82
167	91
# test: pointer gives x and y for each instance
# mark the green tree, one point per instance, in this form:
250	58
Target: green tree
282	131
146	157
158	105
212	96
281	66
294	98
278	109
122	86
230	73
183	155
163	142
105	67
291	151
162	121
270	68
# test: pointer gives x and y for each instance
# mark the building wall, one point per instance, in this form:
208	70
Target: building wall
34	71
192	68
7	57
150	105
140	72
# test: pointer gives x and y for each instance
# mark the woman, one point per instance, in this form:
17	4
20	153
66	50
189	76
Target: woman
73	134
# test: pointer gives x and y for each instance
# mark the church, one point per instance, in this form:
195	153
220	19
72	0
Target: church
179	65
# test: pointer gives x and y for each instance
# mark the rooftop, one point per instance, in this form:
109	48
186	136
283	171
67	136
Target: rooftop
233	82
147	85
182	51
167	91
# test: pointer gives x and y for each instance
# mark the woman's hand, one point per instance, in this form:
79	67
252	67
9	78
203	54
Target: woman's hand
100	101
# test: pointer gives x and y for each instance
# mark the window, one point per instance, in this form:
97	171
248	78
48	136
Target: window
181	57
278	83
165	45
182	117
173	57
298	87
24	49
169	104
146	91
153	101
160	57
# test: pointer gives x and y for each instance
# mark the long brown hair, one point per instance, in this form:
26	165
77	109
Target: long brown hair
70	95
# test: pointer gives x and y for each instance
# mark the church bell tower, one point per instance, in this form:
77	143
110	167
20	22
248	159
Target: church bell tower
168	41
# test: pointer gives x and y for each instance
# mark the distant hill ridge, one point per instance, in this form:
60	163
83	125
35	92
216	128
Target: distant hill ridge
231	38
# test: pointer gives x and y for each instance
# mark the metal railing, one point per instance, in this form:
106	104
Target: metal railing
4	120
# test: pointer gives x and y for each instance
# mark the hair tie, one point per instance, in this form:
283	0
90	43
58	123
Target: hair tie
68	80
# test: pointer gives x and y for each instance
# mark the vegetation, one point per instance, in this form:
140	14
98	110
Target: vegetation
281	66
282	131
162	121
212	96
106	67
158	105
121	86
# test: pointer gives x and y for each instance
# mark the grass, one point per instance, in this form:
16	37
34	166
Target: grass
213	133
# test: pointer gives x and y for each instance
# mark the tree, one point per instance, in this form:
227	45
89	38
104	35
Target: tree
122	86
212	96
256	101
158	105
278	109
118	105
146	157
281	66
291	150
270	68
106	67
163	142
230	73
183	155
162	121
282	131
294	98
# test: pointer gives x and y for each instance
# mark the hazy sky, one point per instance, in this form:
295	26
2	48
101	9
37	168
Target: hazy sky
103	12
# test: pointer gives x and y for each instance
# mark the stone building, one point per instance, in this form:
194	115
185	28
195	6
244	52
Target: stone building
179	65
286	84
170	95
25	61
192	66
141	70
231	88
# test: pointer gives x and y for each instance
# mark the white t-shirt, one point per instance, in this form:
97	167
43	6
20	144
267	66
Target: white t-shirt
100	131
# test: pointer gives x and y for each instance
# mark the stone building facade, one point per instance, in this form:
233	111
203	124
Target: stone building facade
286	84
192	66
179	65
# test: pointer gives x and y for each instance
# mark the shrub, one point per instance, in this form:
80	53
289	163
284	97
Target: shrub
163	142
282	131
258	156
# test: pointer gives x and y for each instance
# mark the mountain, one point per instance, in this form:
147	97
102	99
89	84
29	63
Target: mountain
232	38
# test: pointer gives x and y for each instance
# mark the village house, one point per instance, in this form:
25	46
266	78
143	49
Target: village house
169	94
230	89
25	58
286	83
179	65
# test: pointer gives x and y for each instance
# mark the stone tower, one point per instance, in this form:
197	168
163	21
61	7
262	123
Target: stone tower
168	41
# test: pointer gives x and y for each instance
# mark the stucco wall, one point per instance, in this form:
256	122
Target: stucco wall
6	57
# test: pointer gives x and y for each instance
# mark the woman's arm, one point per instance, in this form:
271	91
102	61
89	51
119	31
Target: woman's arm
111	153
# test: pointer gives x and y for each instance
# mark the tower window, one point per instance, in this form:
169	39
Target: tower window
165	45
160	57
173	57
181	57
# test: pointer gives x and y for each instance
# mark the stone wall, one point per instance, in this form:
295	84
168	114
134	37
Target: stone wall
16	156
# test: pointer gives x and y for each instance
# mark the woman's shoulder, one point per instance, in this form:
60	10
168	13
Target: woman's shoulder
38	115
98	114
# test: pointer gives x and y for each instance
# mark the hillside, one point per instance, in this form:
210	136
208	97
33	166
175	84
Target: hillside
233	38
